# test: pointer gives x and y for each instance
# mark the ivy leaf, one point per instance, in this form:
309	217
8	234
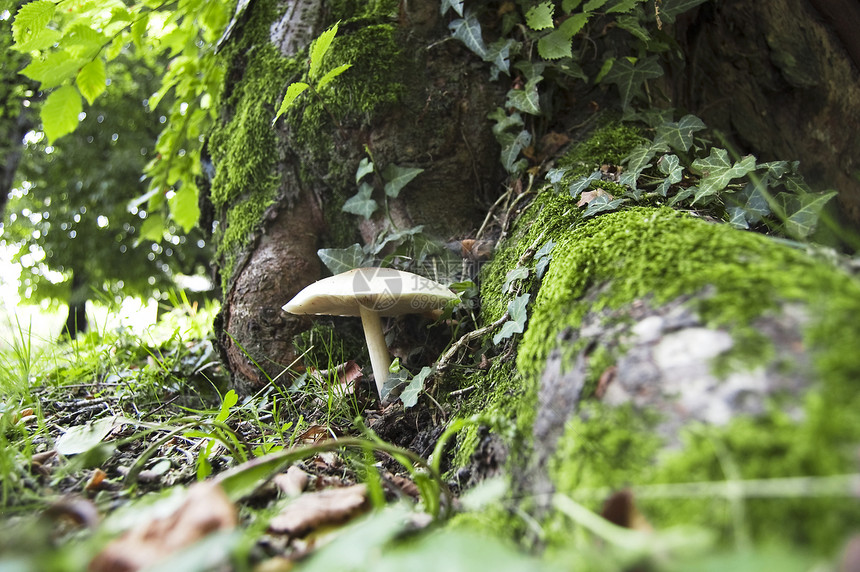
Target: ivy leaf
498	54
361	203
630	22
30	29
539	17
342	259
670	9
602	203
670	166
582	183
184	207
526	99
365	167
802	211
398	177
409	397
543	256
512	146
717	171
520	273
319	49
777	169
630	73
60	112
457	5
504	121
54	69
397	237
468	31
92	80
516	323
639	159
294	90
327	78
750	202
678	135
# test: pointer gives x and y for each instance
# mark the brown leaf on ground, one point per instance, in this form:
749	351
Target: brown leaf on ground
206	509
95	481
342	377
552	142
293	482
313	510
588	196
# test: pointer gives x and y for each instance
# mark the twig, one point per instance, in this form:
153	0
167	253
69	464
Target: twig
442	364
462	391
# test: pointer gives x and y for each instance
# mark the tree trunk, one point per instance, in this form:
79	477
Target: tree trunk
781	79
76	321
410	99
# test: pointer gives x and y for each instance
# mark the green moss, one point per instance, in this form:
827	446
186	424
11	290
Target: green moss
662	254
244	148
607	145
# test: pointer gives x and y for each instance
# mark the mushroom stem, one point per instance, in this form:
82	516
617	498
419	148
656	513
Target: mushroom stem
380	360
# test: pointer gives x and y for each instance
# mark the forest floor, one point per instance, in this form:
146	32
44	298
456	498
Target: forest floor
127	452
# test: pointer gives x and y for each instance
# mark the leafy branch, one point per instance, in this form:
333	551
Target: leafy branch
319	49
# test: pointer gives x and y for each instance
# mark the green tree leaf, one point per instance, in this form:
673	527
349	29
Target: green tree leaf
468	31
342	259
319	49
398	177
717	171
54	69
183	207
328	77
592	5
361	204
60	112
678	135
30	29
293	91
557	44
629	74
623	6
539	17
92	80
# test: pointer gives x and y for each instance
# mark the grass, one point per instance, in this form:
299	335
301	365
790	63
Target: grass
151	414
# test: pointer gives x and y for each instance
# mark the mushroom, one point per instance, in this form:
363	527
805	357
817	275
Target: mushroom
371	293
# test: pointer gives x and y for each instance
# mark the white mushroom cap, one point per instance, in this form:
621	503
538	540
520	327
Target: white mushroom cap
371	293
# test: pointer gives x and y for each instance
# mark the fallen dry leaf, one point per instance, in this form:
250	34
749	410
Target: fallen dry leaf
293	482
95	481
313	510
342	377
206	509
588	196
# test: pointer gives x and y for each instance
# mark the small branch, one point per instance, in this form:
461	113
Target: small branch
442	364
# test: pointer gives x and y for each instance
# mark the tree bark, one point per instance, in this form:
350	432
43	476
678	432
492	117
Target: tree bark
432	114
781	79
